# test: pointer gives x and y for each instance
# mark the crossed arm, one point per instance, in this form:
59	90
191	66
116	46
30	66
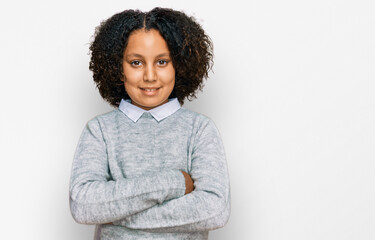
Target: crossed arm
163	202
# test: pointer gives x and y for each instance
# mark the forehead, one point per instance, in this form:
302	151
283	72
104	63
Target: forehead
147	42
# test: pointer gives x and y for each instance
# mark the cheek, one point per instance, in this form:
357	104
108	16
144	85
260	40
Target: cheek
131	75
173	78
168	76
128	88
130	81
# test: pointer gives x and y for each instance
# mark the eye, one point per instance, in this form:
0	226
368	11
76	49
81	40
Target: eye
135	63
162	62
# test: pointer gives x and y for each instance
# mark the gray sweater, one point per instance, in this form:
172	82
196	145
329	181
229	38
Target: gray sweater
126	177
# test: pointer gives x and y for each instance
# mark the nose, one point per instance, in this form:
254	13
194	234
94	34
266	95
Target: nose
149	74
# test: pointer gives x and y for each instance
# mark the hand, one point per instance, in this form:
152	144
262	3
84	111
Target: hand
189	183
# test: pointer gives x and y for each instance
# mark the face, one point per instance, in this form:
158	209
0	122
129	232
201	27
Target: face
148	70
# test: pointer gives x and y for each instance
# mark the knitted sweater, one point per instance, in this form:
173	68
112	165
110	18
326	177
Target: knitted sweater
126	177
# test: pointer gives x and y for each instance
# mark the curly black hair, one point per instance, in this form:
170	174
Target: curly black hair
190	48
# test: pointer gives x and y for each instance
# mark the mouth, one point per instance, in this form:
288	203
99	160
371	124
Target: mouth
150	91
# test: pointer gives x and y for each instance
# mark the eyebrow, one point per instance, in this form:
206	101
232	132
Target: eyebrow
140	56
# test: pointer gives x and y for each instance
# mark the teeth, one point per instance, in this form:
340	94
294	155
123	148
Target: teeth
150	90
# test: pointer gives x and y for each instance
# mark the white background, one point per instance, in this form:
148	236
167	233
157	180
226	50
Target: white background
292	94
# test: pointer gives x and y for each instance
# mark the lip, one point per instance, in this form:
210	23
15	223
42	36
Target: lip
150	91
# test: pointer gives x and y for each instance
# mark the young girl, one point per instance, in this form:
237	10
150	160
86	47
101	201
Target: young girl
150	169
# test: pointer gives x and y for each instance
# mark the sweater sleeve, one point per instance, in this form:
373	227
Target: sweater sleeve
207	207
97	199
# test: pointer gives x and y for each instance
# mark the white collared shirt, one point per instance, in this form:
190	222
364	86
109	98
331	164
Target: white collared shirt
159	113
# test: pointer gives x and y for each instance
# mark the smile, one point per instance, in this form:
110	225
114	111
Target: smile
150	91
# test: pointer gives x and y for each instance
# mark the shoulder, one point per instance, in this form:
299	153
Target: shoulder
203	129
190	117
198	121
105	119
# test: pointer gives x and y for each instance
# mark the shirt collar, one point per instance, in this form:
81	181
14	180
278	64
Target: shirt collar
159	113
